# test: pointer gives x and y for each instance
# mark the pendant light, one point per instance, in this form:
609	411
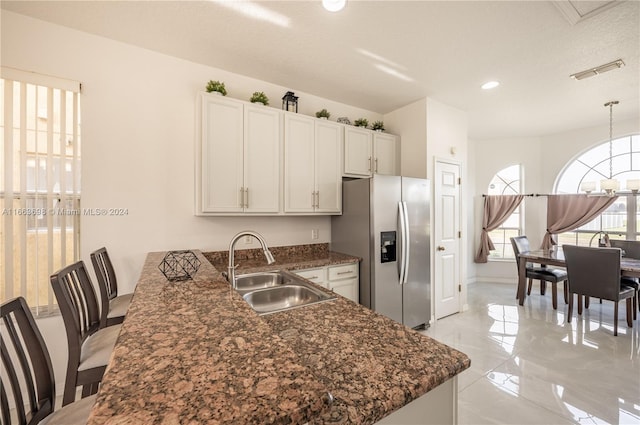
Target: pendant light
610	185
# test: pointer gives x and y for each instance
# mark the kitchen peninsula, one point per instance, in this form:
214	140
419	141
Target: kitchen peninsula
195	352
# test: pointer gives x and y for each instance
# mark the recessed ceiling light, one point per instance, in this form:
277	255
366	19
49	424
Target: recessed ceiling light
490	85
334	5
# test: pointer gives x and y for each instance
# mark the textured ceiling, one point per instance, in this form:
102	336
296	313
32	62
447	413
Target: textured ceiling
380	55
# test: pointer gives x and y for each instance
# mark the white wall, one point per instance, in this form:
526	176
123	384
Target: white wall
543	158
447	140
138	135
409	122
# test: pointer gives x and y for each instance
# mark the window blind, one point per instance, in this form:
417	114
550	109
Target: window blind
39	184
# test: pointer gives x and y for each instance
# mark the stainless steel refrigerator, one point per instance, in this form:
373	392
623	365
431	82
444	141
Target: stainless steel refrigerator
385	221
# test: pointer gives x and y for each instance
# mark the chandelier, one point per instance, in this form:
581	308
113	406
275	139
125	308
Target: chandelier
610	185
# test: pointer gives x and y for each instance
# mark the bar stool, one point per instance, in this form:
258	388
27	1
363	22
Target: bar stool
29	372
90	346
113	306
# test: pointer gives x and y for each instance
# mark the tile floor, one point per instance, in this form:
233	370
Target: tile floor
528	366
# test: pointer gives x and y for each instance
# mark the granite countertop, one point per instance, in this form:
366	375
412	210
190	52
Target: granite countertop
195	352
287	257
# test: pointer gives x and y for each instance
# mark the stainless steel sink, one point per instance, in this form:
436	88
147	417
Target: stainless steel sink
272	292
251	282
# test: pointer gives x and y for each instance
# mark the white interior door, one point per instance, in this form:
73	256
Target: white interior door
447	238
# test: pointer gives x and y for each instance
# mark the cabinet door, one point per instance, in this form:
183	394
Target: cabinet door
357	152
385	148
299	184
222	157
328	148
348	288
262	159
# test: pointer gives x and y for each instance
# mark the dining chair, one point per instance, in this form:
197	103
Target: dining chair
90	346
28	373
595	272
113	306
543	274
631	249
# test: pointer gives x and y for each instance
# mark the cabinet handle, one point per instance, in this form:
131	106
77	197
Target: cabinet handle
347	272
242	197
312	277
246	194
318	199
376	165
441	248
369	164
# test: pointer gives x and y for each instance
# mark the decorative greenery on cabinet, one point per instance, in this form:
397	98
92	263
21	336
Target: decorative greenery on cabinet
216	86
361	122
259	97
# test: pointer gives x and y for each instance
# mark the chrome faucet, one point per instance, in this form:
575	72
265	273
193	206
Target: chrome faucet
232	246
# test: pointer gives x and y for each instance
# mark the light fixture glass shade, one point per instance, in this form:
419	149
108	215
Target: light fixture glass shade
609	185
633	185
334	5
587	187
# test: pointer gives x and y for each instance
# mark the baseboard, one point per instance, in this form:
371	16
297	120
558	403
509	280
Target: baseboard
502	280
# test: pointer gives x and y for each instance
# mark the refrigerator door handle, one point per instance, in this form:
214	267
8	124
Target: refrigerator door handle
401	230
407	242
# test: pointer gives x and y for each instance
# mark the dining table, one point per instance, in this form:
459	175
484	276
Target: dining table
555	257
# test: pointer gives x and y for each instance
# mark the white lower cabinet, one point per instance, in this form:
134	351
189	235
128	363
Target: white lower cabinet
317	276
343	279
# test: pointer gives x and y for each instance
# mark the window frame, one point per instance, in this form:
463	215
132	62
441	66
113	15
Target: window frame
508	185
600	167
40	221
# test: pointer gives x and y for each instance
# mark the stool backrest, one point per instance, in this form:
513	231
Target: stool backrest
78	305
107	282
27	368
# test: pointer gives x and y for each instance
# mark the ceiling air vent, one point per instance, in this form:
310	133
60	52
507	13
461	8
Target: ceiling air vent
598	70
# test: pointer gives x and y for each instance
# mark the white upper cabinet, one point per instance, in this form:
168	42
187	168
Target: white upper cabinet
299	178
357	152
262	159
385	148
328	167
239	158
312	171
369	152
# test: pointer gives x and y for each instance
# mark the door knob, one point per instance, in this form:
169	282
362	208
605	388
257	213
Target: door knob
441	248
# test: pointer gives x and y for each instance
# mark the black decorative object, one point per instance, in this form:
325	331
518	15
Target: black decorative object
179	265
290	102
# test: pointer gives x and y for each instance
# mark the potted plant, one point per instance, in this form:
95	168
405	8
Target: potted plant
377	126
324	114
259	97
216	86
361	122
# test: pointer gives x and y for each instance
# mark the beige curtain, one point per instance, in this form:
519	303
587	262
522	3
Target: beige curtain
568	212
497	210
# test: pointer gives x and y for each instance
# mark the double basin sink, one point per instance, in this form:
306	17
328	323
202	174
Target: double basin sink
271	292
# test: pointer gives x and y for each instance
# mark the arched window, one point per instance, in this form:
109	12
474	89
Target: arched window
506	182
621	218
